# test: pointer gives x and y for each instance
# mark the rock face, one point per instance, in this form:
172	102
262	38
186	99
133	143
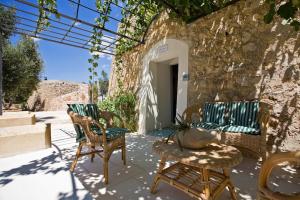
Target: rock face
234	55
55	95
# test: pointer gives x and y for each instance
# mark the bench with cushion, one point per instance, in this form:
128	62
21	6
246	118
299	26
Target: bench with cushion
242	124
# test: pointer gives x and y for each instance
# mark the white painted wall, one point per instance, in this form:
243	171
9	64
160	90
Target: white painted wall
163	95
151	114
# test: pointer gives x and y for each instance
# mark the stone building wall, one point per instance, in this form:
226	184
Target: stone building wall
55	95
234	55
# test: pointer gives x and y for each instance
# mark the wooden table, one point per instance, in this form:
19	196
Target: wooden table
203	174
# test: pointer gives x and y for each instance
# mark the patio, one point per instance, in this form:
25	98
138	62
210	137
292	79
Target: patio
228	70
45	174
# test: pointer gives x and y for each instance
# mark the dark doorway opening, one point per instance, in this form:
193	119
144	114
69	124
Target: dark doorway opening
174	86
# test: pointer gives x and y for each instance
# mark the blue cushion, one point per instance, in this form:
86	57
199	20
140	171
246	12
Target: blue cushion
244	114
214	113
241	129
206	125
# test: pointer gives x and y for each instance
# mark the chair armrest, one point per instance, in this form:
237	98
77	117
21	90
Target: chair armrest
263	120
266	170
264	116
189	112
109	118
100	126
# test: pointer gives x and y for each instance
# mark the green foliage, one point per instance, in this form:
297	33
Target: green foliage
144	12
189	10
287	10
7	22
21	69
123	104
43	20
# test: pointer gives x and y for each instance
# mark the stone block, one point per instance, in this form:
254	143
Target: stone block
21	139
9	119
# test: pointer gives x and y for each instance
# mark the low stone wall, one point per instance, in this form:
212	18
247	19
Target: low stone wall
21	139
234	55
55	95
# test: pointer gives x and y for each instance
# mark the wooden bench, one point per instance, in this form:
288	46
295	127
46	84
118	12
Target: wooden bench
242	124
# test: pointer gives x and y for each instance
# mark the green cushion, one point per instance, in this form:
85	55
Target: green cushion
206	125
241	129
214	113
112	133
244	114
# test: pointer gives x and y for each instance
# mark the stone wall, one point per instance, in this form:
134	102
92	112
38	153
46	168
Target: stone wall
55	95
234	55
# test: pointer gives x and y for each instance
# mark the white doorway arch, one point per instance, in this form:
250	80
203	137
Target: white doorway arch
154	79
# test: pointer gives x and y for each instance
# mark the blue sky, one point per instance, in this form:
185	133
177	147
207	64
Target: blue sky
63	62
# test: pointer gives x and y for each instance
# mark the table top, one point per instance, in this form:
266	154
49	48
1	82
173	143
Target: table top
210	157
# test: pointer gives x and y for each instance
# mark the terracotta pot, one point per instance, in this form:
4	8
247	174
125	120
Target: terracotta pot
196	138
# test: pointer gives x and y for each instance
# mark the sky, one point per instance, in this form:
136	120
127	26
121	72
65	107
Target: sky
63	62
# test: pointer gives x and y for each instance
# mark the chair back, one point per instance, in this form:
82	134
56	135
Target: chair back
243	113
214	113
88	110
85	123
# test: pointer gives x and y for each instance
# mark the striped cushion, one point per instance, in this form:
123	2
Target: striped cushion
244	114
78	108
214	113
112	133
206	125
241	129
90	110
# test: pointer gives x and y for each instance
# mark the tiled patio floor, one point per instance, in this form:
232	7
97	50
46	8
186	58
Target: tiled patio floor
44	174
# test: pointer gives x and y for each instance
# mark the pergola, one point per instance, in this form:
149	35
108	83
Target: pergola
76	23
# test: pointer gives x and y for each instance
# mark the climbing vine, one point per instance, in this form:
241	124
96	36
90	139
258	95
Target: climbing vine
287	10
43	20
96	41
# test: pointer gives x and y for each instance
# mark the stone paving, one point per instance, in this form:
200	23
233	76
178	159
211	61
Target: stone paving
45	175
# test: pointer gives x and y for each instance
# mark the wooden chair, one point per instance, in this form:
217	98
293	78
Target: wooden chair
264	193
102	140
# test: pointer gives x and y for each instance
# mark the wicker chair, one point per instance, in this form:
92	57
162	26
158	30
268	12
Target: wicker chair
264	193
250	145
101	140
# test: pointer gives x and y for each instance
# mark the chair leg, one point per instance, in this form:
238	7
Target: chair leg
105	169
230	185
92	148
124	152
76	157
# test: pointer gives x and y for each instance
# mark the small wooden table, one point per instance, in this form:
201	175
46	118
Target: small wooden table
202	174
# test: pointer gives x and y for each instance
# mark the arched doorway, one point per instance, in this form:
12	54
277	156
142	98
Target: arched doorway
164	84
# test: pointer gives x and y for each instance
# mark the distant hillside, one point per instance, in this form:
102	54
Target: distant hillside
55	95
